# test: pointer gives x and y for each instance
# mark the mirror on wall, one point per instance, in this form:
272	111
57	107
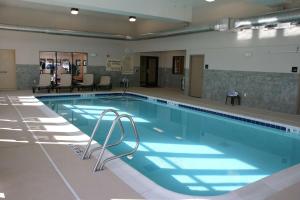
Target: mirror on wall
57	63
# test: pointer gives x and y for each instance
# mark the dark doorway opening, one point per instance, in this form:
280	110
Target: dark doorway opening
149	71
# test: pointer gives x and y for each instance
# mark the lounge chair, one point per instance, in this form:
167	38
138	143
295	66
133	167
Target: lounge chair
105	83
44	83
88	82
65	82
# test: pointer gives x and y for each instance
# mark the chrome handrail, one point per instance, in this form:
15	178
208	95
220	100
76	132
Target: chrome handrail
137	139
125	82
88	155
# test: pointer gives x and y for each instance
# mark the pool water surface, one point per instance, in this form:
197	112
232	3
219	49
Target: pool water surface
183	150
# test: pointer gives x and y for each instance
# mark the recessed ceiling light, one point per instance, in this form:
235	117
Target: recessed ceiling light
210	0
267	20
74	11
132	18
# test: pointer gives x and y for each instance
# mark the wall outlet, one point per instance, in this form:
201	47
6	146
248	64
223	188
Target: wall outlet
245	94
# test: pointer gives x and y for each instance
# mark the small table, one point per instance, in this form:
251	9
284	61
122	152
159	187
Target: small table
233	98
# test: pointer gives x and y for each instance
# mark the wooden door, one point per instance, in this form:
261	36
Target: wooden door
152	71
143	71
298	95
7	69
196	75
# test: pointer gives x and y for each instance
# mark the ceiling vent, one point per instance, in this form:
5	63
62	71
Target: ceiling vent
291	16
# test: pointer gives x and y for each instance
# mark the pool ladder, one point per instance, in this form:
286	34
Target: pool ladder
87	154
125	83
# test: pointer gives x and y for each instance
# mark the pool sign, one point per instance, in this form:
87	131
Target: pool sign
113	65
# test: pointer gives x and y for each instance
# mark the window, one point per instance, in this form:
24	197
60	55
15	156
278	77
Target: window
57	63
178	64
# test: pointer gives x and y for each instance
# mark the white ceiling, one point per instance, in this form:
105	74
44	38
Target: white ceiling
111	16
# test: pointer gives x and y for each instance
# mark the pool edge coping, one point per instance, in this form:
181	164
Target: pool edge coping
241	117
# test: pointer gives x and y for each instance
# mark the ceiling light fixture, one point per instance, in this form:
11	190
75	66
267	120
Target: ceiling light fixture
132	18
74	11
210	0
243	23
268	20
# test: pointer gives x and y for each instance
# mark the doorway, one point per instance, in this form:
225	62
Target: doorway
149	71
196	75
8	69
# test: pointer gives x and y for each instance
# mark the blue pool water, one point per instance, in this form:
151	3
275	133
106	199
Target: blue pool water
186	151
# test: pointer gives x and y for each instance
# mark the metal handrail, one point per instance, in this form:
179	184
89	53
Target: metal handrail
88	155
125	85
137	139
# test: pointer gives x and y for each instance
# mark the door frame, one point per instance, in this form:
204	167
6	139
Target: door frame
190	71
15	85
298	111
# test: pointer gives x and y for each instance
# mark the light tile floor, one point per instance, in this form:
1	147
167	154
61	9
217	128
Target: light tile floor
30	170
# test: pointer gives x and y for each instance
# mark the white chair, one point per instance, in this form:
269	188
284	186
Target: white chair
65	82
88	81
44	83
60	71
105	83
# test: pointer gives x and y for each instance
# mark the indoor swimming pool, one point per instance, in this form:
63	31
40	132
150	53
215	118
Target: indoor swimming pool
183	149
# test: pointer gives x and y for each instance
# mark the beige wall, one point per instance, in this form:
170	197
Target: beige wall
222	50
137	56
225	51
165	57
28	45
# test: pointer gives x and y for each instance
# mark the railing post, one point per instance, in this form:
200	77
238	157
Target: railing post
105	143
84	156
96	168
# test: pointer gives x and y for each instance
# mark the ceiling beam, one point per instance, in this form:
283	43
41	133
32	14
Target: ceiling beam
161	9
